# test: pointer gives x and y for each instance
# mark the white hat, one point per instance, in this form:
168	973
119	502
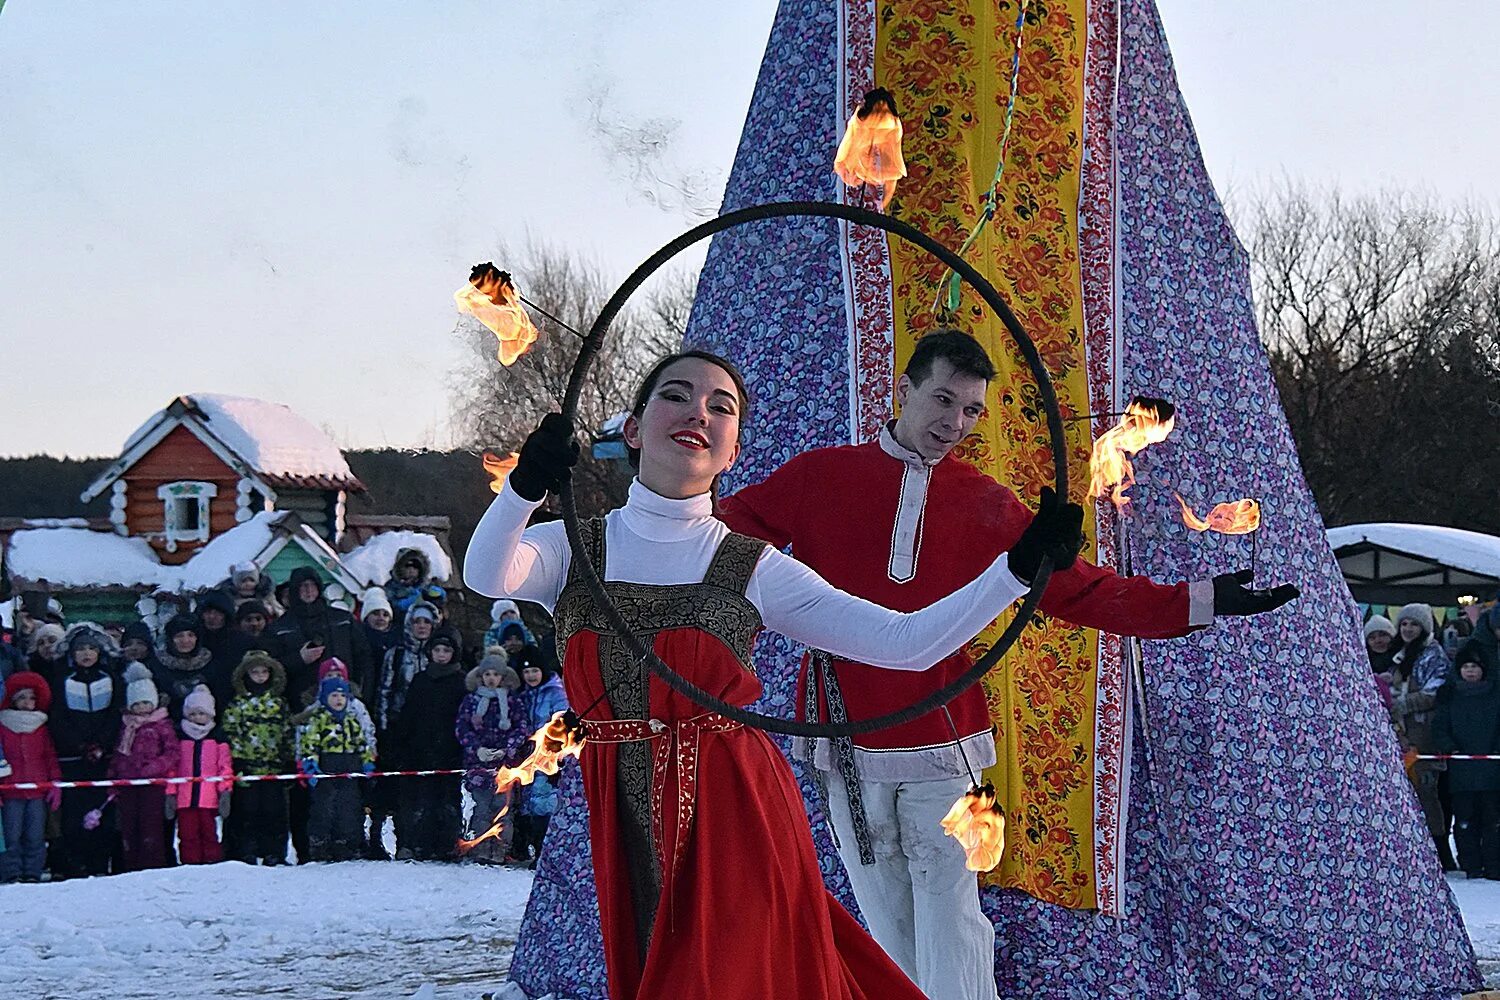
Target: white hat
374	599
1379	623
500	607
139	686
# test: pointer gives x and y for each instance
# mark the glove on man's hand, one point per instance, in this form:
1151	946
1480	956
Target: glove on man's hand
1234	599
1056	531
546	460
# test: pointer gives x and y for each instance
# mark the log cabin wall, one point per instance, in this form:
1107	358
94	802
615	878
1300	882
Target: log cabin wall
180	456
315	507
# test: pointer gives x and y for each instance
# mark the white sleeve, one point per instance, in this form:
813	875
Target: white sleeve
508	559
801	605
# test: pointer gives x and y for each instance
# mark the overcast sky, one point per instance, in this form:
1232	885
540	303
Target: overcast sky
277	199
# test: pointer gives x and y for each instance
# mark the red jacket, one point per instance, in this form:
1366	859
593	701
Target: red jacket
838	509
31	755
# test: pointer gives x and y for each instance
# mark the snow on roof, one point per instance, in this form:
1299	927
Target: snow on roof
269	437
1470	551
210	565
78	557
373	561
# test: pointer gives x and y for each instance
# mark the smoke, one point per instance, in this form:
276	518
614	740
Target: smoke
640	152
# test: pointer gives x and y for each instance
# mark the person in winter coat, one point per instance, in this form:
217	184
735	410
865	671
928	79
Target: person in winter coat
403	662
226	644
87	698
138	645
378	621
299	797
1419	668
332	742
46	652
1380	635
483	728
1467	721
540	697
311	631
250	621
502	613
27	746
203	752
184	664
424	740
247	583
147	749
410	573
1484	640
258	725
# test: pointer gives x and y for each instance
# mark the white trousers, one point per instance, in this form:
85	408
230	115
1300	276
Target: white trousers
920	901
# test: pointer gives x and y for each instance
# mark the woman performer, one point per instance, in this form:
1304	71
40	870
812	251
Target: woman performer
704	863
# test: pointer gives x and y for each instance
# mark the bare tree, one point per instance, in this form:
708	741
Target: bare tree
1380	315
495	407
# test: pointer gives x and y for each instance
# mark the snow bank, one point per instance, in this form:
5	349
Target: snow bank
78	557
269	436
359	929
372	562
242	543
1479	901
1465	550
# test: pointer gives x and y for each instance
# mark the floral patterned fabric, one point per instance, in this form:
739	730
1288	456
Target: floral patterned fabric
1273	846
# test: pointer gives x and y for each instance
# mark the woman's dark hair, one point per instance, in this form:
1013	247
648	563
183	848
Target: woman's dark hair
1411	652
960	350
648	386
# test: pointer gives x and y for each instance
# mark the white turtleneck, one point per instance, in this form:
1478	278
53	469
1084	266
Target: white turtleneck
653	539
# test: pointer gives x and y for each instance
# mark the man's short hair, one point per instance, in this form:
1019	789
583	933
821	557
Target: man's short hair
960	350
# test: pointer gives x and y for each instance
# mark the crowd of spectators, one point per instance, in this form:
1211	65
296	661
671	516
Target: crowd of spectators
250	680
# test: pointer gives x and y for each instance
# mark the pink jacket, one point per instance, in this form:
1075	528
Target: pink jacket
205	758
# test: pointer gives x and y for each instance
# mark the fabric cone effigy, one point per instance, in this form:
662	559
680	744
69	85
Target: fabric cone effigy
1256	836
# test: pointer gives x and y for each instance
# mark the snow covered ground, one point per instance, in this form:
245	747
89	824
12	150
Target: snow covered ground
360	929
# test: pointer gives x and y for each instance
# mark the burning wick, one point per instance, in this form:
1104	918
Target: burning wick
870	152
1237	517
978	826
560	738
1147	421
491	298
499	468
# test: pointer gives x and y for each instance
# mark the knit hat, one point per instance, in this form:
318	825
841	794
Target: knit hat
184	623
499	609
42	631
513	629
242	571
529	656
1419	613
374	599
200	698
218	601
139	686
1379	623
328	686
494	659
446	637
251	607
422	610
332	667
433	594
26	680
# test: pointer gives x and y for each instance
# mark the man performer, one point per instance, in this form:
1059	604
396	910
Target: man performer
899	522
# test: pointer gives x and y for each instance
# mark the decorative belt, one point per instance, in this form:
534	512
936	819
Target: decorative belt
682	737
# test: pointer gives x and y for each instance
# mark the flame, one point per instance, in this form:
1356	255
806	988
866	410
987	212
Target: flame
870	152
978	826
560	738
491	298
464	846
1147	421
1239	517
499	468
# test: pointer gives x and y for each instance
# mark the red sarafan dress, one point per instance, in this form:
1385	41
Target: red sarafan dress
706	873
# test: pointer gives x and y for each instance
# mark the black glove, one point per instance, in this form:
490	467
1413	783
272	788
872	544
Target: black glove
1056	531
546	459
1233	598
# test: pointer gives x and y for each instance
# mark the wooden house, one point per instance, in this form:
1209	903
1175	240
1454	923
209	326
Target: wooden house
209	462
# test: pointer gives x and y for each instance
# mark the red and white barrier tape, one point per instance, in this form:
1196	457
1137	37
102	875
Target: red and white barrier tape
1456	756
29	786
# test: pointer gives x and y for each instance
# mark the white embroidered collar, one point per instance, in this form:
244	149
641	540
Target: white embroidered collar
899	451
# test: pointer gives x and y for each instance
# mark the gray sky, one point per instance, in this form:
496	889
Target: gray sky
277	199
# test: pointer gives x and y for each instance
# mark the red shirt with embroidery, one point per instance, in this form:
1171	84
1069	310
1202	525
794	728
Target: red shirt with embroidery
841	511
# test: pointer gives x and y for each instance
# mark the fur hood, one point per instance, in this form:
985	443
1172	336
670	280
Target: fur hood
240	676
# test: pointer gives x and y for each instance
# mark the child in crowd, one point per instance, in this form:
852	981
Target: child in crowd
333	742
540	697
483	728
28	748
147	749
426	741
1467	721
87	697
202	753
258	725
502	613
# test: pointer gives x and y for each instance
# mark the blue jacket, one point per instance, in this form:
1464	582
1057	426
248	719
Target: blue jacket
537	706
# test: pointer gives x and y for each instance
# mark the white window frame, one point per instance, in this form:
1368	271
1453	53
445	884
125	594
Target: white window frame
185	492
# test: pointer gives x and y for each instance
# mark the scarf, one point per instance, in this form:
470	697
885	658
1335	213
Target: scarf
196	730
496	695
192	663
19	720
132	723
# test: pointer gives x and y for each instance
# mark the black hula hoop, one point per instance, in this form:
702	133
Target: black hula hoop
589	573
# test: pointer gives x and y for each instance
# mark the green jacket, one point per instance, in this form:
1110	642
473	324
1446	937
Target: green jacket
259	728
325	734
